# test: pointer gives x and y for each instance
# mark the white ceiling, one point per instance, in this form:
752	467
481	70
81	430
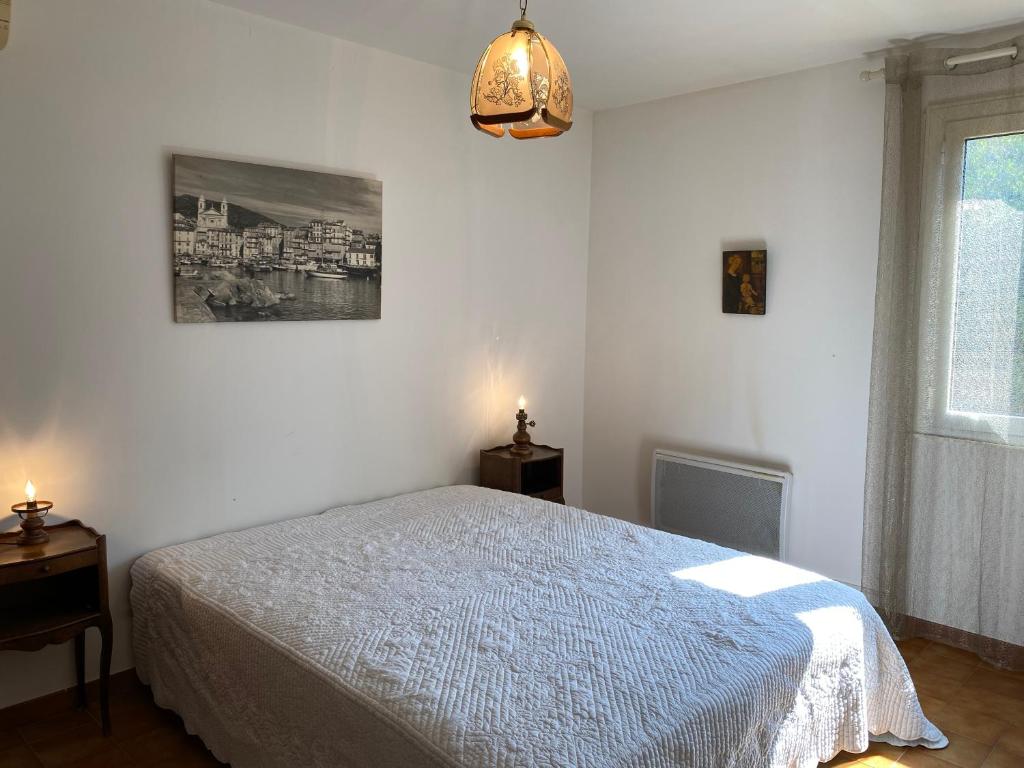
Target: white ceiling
627	52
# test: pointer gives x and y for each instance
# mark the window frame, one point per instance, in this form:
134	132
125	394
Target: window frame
948	129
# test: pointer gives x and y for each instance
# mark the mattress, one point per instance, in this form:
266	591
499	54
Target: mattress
467	627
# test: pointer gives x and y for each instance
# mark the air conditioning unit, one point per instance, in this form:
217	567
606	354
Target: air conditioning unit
735	505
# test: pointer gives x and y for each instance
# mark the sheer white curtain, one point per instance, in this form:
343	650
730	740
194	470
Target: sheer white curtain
944	502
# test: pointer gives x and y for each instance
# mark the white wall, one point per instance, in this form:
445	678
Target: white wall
792	163
157	433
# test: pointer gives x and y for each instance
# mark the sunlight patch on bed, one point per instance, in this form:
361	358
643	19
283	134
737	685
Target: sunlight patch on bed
748	576
834	672
833	623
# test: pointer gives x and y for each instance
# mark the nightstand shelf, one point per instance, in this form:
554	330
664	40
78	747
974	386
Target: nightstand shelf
53	592
539	475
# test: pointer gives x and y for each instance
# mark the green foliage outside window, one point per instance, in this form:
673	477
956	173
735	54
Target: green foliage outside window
995	169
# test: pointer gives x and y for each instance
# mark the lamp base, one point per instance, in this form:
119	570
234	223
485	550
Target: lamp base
32	532
521	450
32	523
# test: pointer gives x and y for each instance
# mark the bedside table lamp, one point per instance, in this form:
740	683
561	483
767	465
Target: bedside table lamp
523	446
32	513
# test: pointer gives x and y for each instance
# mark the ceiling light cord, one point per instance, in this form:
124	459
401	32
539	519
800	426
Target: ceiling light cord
522	8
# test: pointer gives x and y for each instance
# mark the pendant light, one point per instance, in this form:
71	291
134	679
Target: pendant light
522	84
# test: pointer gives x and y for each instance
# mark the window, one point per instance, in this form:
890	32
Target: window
971	366
987	370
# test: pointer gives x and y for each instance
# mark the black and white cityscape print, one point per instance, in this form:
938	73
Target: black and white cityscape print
259	242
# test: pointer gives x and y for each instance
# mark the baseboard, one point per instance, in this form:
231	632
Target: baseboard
61	701
998	652
904	627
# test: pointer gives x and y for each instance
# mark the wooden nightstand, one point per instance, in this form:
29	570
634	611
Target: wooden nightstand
538	475
53	592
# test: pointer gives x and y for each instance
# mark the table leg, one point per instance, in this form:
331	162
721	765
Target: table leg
107	634
80	670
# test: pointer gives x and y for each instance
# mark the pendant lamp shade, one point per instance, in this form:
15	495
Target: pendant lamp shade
521	84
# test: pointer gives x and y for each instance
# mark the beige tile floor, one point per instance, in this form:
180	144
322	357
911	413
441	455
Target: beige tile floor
980	709
144	735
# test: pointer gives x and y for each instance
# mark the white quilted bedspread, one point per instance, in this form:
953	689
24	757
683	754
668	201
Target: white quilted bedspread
468	627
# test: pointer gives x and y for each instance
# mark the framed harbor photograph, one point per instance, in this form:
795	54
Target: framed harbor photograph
744	282
259	242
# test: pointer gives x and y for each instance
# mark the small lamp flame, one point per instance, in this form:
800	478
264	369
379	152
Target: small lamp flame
30	491
522	403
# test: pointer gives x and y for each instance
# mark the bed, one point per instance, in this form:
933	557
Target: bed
467	627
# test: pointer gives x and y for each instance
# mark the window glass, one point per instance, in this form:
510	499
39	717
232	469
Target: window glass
987	370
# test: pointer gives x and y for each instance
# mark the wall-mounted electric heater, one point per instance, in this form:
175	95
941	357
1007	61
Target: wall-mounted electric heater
735	505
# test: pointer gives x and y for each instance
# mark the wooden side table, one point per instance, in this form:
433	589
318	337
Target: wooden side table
538	475
52	592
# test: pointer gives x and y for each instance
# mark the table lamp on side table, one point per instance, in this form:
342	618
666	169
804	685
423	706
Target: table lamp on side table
32	513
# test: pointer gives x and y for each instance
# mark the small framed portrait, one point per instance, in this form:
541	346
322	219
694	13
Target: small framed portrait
744	282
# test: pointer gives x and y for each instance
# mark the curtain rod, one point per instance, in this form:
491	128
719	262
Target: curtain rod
953	61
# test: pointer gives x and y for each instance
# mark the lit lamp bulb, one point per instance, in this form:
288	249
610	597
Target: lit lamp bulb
30	493
521	57
522	403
